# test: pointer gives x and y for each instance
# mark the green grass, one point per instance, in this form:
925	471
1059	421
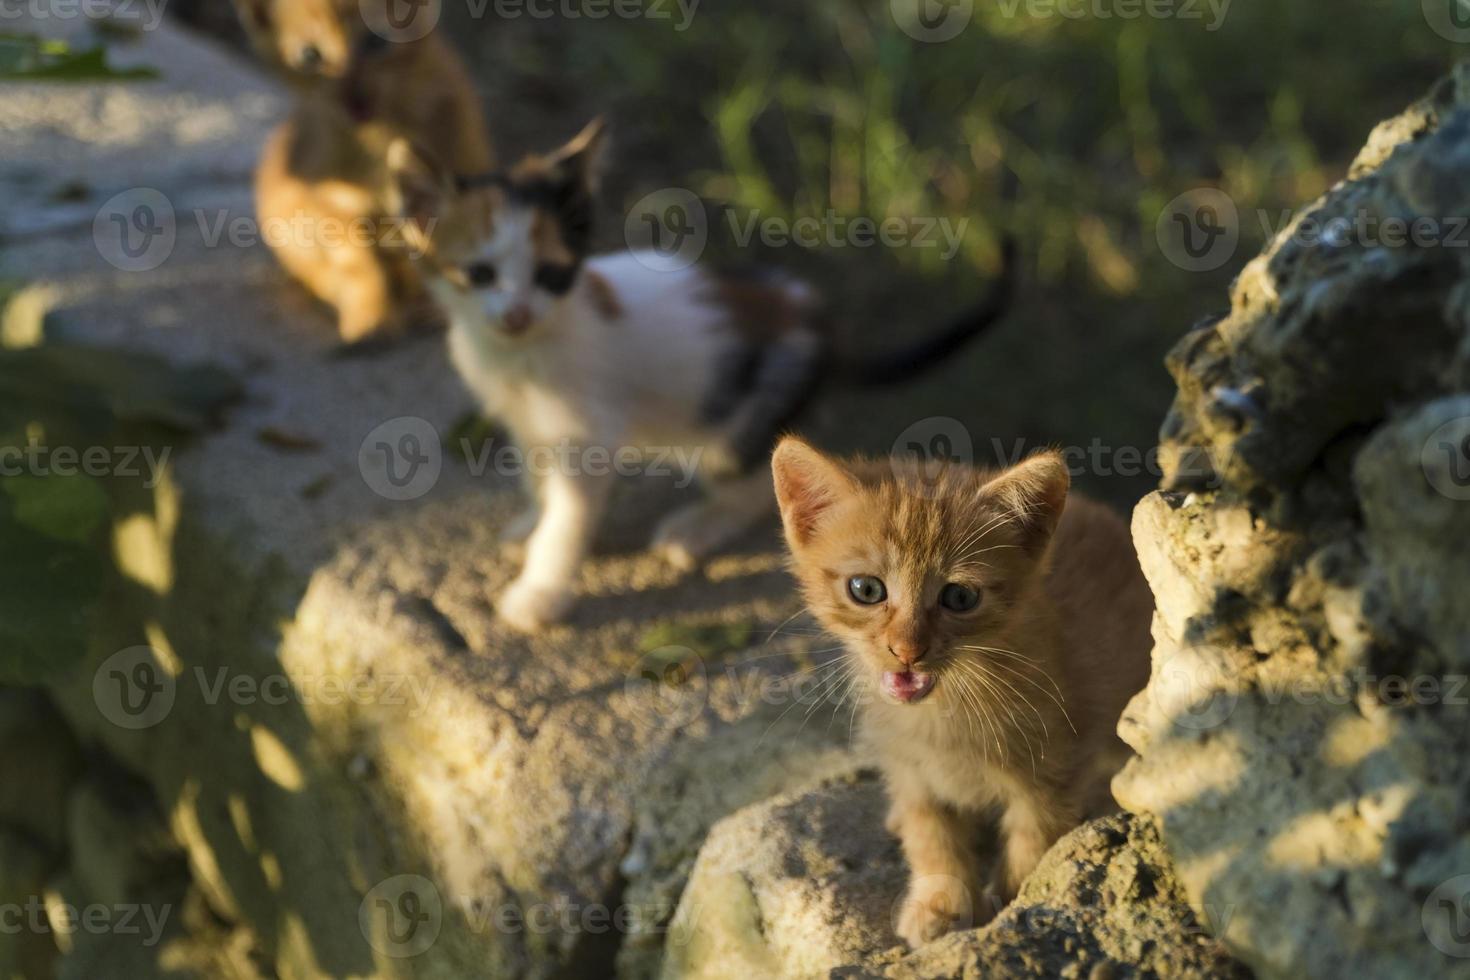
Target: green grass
790	110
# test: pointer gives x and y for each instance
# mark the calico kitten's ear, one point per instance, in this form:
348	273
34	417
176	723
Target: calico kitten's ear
580	163
419	188
1035	492
808	485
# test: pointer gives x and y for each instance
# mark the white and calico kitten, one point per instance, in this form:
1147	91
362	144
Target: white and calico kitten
615	352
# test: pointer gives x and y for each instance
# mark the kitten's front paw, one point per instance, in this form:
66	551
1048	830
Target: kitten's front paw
530	607
935	905
680	540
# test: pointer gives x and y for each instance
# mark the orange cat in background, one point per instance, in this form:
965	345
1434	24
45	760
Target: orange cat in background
1002	627
322	174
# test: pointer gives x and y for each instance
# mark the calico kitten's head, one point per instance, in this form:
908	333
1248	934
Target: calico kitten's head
918	576
328	46
504	250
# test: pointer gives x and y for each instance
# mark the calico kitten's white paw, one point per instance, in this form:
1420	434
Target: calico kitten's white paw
686	538
935	905
531	607
677	555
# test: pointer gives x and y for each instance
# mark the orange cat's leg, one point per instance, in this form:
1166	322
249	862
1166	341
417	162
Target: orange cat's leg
943	893
310	228
363	293
1029	827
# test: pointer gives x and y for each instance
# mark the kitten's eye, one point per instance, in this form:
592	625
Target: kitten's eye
867	590
480	275
958	598
556	279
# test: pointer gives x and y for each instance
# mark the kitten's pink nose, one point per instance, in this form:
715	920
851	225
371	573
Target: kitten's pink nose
517	319
908	653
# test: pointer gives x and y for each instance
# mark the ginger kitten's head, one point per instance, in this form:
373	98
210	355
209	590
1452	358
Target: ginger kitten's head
503	250
330	46
918	577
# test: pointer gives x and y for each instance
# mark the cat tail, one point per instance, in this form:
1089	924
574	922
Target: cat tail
905	363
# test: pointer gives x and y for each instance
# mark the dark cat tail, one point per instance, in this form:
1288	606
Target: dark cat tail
905	363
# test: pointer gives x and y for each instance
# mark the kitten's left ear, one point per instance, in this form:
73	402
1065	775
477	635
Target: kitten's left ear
1035	492
420	189
581	162
808	486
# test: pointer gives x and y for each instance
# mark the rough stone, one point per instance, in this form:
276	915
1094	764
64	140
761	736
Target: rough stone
795	886
807	885
1103	903
1302	740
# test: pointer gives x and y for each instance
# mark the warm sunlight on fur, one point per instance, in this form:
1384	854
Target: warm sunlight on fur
320	178
998	627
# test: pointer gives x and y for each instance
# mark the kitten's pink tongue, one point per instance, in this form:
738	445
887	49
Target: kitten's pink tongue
907	686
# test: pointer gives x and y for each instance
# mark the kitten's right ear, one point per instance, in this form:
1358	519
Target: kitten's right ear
254	14
808	486
419	188
1035	493
580	163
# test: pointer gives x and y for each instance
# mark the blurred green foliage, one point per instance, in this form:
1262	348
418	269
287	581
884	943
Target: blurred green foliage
791	109
829	104
25	57
55	549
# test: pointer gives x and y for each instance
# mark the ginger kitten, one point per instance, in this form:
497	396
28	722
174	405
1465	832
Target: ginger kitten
1000	627
611	353
323	169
